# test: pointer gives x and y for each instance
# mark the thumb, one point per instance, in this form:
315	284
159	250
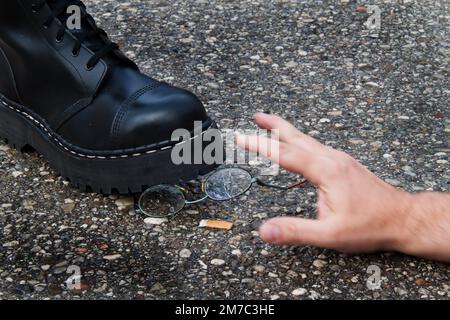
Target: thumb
297	231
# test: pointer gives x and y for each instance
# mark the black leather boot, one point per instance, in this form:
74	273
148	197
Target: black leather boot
76	99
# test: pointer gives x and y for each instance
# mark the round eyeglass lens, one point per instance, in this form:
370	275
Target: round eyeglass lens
161	201
229	183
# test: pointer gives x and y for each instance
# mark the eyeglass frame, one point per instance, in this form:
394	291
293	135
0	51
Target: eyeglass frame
182	191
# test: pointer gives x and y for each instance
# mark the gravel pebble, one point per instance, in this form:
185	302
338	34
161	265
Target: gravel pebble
217	262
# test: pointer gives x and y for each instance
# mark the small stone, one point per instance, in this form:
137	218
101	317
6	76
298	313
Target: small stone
59	270
291	64
314	295
104	286
130	54
45	267
299	292
211	40
124	203
68	208
259	268
155	221
185	253
248	281
186	40
112	257
355	141
203	265
400	291
11	244
319	263
213	85
217	262
36	249
236	252
376	144
16	174
372	84
61	264
4	148
334	113
156	287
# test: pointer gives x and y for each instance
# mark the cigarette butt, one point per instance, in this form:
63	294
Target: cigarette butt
216	224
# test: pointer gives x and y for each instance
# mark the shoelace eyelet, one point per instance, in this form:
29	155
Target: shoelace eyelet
35	8
94	31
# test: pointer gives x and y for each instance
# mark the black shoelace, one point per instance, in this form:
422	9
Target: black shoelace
59	8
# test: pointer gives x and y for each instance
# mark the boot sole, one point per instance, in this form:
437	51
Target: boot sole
125	173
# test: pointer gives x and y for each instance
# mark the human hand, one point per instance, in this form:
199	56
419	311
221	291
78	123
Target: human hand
356	211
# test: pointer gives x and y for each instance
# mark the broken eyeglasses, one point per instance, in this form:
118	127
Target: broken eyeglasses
164	201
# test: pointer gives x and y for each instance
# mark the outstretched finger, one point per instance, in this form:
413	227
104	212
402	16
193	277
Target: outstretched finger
310	165
288	133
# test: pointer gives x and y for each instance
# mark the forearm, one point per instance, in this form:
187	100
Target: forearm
426	221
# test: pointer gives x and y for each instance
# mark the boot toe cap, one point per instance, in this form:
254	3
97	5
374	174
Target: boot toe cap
151	116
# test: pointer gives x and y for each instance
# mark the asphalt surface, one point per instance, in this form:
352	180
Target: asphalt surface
381	96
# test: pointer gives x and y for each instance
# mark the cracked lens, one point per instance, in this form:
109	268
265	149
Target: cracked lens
227	184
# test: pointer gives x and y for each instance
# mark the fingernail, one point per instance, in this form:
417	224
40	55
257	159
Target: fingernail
270	232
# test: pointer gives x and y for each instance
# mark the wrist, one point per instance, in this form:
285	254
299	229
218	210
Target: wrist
419	223
405	223
427	226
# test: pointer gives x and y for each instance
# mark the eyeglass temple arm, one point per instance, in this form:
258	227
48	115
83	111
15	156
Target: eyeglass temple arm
292	186
197	201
